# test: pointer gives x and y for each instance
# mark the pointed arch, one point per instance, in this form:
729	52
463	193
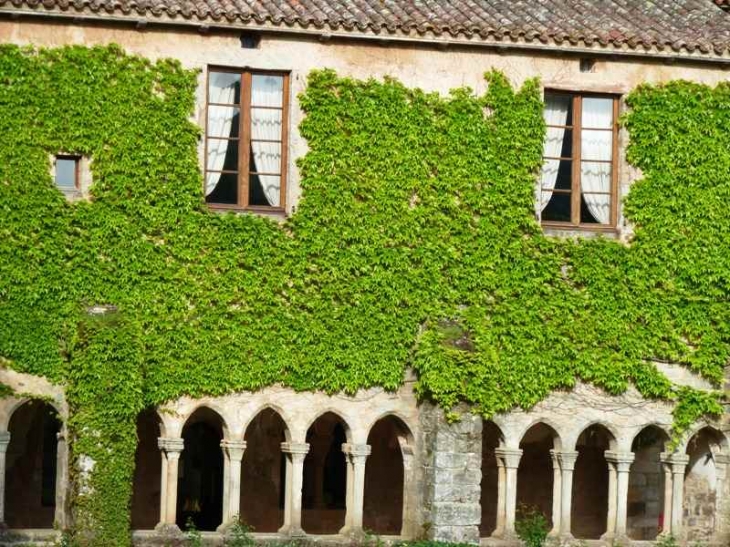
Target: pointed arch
645	514
146	484
535	473
590	481
492	438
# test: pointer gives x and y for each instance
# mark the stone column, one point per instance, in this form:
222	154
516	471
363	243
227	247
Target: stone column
61	478
667	517
501	506
4	442
611	516
356	455
171	448
408	528
679	463
511	460
233	451
722	503
622	461
295	454
567	465
556	494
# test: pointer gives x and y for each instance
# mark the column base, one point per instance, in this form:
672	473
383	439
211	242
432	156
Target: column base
616	539
355	534
165	529
292	531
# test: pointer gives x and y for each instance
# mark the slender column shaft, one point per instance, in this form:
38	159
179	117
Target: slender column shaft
61	479
4	442
225	513
611	517
511	459
172	448
408	527
295	452
621	462
356	457
567	465
163	487
679	463
667	515
233	451
557	475
501	506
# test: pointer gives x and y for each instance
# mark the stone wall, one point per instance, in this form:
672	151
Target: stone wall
452	458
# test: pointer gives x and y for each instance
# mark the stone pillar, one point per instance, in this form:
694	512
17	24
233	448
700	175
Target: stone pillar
722	507
556	494
61	478
356	455
501	506
679	463
233	453
611	516
171	448
511	459
4	442
295	454
408	528
622	462
567	465
667	516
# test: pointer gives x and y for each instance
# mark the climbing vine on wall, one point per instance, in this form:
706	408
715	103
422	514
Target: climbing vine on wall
414	245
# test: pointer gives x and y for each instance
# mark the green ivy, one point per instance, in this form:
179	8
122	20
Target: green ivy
414	245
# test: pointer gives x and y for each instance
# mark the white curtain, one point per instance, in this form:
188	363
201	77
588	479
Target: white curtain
266	125
597	145
222	89
556	113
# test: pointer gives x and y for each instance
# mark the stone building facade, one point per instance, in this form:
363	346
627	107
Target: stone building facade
310	465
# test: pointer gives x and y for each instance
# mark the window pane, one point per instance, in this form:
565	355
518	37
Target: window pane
596	145
596	177
66	172
595	209
222	155
223	121
264	190
221	188
597	113
267	90
558	142
558	208
224	87
266	124
558	109
556	174
266	157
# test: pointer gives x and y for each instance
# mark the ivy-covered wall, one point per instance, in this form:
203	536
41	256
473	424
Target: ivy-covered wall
414	245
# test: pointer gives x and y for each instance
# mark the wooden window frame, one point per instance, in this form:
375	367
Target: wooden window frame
244	139
575	185
77	172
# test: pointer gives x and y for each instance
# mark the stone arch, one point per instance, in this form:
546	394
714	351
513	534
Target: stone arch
146	484
200	477
342	419
33	464
492	438
263	471
610	429
279	411
391	444
550	424
701	492
645	504
209	407
405	428
589	513
324	490
535	473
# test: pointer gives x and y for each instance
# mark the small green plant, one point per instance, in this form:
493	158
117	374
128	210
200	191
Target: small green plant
666	540
239	535
192	534
531	526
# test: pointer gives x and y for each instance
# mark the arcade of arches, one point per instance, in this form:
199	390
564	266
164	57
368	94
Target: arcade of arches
375	464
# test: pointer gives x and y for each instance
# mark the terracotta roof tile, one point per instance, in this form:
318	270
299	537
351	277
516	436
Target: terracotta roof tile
684	26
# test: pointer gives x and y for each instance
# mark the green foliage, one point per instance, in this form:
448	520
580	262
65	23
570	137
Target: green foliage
239	535
192	534
531	526
414	245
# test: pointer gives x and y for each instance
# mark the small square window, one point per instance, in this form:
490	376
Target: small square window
67	173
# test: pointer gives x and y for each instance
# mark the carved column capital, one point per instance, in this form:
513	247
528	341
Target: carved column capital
298	451
4	441
510	457
171	446
678	462
233	449
567	459
622	460
356	452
